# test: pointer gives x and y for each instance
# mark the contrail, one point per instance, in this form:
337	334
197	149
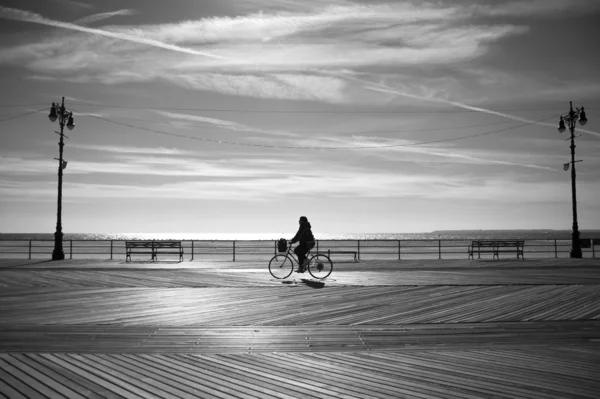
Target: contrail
387	89
103	15
26	16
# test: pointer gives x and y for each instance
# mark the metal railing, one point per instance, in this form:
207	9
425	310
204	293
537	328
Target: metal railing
341	250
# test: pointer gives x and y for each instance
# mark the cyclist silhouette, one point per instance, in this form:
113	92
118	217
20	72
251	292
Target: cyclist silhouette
306	241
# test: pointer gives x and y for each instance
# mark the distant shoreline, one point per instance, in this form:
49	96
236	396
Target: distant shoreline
513	230
434	235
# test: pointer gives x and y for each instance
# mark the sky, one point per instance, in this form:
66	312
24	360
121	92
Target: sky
223	116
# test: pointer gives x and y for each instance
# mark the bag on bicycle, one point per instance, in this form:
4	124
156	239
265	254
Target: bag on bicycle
282	245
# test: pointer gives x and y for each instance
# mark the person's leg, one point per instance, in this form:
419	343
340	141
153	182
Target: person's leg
300	251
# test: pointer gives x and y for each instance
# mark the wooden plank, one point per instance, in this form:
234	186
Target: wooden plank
106	379
332	338
66	383
34	387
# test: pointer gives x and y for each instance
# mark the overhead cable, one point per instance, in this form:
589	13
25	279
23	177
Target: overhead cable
300	111
312	147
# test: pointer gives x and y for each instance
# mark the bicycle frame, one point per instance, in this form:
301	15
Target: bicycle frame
292	255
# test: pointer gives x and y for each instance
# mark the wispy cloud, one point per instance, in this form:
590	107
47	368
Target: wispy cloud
283	52
269	55
74	4
113	149
157	162
436	153
537	8
102	16
26	16
268	188
262	85
380	87
225	124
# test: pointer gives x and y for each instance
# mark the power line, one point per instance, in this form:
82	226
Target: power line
21	115
314	148
297	111
19	105
347	132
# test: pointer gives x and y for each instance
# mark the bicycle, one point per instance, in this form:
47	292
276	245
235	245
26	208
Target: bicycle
281	266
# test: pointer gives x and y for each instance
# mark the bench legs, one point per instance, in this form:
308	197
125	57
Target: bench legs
496	254
154	257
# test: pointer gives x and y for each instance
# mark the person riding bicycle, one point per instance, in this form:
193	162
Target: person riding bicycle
306	241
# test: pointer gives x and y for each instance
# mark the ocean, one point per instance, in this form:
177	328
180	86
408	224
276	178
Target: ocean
434	235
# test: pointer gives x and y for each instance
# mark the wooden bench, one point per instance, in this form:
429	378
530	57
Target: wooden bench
495	247
152	248
329	252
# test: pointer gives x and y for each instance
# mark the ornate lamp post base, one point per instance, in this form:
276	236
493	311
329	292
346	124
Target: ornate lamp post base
58	253
576	245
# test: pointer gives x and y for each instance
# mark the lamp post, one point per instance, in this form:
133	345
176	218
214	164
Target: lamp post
571	119
64	117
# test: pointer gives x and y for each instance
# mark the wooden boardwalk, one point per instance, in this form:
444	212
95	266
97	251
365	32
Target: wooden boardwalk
376	329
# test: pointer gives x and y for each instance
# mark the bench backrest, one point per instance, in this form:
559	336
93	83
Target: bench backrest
167	244
511	243
498	243
138	244
153	244
484	243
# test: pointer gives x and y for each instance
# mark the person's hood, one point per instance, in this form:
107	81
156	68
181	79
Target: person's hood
305	225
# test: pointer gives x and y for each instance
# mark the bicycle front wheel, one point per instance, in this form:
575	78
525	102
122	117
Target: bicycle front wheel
320	266
281	266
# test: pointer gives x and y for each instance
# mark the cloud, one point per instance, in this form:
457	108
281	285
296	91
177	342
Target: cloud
211	121
266	55
26	16
137	161
113	149
537	8
381	87
340	185
282	86
314	52
102	16
435	153
74	4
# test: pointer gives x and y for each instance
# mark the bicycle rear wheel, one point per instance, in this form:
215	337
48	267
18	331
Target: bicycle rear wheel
281	266
320	266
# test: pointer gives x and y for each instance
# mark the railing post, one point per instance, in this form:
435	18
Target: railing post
274	247
70	249
399	257
234	250
593	250
317	246
29	249
358	249
555	249
440	249
192	250
111	249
